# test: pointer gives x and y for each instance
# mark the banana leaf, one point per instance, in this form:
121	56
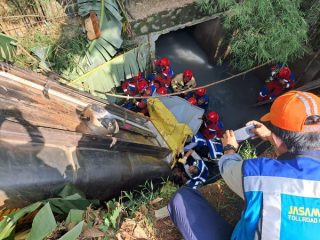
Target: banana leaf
71	198
110	74
74	216
98	70
8	224
107	45
43	224
74	233
8	47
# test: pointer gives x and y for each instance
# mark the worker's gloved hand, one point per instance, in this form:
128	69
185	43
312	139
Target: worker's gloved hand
183	160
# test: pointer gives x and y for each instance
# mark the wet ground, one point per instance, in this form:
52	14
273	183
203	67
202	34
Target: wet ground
233	99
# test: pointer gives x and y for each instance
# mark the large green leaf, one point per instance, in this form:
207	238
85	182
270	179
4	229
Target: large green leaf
70	190
63	206
74	216
8	47
74	233
110	74
8	224
72	198
43	224
107	45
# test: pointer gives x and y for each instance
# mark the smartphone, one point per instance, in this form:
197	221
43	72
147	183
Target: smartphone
244	133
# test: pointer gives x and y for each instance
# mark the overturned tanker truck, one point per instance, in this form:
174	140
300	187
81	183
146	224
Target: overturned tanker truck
52	135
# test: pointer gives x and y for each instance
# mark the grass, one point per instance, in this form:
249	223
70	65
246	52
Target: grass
132	201
62	45
133	206
68	49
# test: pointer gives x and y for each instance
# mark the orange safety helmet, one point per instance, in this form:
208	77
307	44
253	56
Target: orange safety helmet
192	100
164	62
162	91
213	116
188	73
284	72
201	91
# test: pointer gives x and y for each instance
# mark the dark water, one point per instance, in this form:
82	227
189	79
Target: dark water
234	99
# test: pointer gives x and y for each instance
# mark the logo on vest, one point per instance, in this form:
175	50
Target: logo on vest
304	214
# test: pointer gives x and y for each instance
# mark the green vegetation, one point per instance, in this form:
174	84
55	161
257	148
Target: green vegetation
70	215
8	47
311	9
247	151
132	201
266	30
44	222
67	51
55	46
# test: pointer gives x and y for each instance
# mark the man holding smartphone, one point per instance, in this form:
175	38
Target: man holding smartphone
282	195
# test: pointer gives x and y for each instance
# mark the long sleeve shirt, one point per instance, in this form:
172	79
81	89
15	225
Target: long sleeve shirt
230	166
178	84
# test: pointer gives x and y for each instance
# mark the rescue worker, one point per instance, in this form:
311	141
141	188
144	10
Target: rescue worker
129	87
281	80
210	149
164	73
281	194
196	170
183	81
271	90
212	126
142	86
141	104
201	97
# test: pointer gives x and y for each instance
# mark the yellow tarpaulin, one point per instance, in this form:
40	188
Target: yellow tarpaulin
174	133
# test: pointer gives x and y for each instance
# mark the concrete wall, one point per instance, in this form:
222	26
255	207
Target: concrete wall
166	19
148	30
210	37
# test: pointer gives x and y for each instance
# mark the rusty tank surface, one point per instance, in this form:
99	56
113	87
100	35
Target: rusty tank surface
52	135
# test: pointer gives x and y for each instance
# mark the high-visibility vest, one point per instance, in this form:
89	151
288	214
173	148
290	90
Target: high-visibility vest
282	199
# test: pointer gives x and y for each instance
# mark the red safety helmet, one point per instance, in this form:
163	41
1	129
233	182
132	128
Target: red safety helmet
138	76
162	91
188	73
164	62
142	86
201	91
284	72
213	116
192	100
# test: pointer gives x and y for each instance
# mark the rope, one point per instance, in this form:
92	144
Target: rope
188	90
